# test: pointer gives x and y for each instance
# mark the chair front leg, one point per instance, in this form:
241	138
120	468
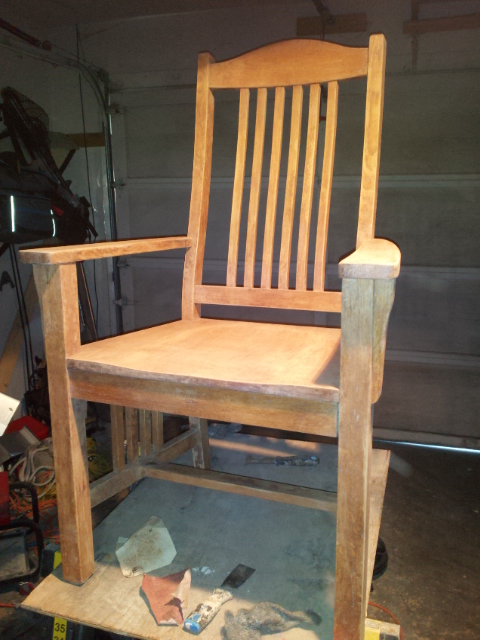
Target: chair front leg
57	292
354	455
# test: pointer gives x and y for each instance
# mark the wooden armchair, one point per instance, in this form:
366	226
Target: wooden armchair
312	379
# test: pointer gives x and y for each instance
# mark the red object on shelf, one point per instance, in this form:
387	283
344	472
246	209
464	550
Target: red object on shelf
4	499
39	430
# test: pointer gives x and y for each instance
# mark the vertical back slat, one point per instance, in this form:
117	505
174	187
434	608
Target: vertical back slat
238	186
290	188
326	187
202	167
308	184
255	186
373	134
272	196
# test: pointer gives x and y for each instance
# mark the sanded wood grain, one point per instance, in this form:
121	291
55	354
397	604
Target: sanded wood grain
374	259
113	483
255	187
202	168
238	187
202	458
57	292
283	360
255	408
308	184
245	486
272	195
174	447
290	188
77	253
157	430
270	298
117	421
131	428
377	485
377	51
326	188
383	301
354	459
145	430
289	63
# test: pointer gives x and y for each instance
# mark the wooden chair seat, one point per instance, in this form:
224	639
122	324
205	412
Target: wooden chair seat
281	360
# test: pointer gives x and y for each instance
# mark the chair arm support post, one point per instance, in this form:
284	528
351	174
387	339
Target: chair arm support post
78	253
354	457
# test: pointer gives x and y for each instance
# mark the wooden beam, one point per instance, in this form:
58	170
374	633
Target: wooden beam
278	492
344	23
113	483
450	23
377	484
88	139
175	447
14	343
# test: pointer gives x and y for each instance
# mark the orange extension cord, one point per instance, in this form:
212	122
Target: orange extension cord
379	606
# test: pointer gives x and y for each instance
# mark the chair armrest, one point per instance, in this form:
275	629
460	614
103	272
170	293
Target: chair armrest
79	252
374	259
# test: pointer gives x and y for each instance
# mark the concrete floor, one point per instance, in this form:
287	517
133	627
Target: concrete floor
431	528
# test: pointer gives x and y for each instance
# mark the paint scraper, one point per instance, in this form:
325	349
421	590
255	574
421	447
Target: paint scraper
206	611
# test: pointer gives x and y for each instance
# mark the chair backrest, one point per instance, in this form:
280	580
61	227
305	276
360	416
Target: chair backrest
291	63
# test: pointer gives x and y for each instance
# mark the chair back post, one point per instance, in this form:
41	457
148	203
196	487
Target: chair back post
377	51
202	168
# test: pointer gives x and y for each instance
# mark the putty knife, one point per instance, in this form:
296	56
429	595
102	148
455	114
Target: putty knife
206	611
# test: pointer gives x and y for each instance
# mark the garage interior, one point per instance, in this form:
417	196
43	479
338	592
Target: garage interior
118	80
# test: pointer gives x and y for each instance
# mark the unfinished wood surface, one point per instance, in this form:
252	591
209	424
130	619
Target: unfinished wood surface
384	294
145	431
354	460
76	253
277	360
202	167
377	51
272	195
221	404
113	483
255	187
131	430
377	485
202	458
308	184
289	63
374	259
270	298
175	447
238	187
117	422
245	486
290	188
326	188
14	343
57	292
157	430
95	139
